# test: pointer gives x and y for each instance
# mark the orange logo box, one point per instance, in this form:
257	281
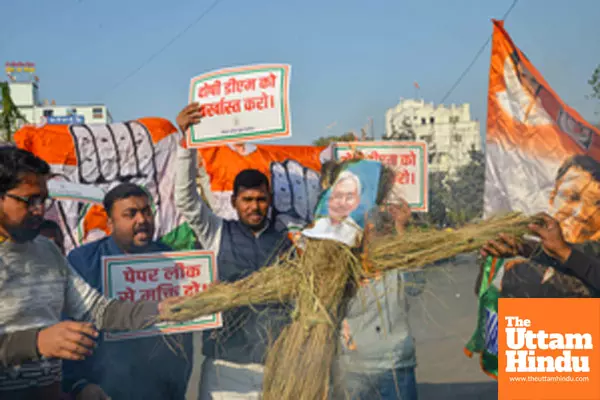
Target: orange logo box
549	349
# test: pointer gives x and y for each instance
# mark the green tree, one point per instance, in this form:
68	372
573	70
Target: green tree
466	187
9	114
438	199
594	82
326	140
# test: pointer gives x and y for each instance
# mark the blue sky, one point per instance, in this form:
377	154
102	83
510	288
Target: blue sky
350	59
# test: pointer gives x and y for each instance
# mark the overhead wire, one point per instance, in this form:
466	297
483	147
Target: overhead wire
164	47
477	55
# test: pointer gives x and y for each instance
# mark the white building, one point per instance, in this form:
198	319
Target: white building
25	95
449	131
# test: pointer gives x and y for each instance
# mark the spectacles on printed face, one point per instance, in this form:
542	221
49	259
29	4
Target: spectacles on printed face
33	202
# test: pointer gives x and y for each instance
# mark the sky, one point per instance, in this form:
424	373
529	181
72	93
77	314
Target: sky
350	59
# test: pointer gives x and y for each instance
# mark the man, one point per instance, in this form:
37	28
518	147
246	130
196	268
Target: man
155	369
52	231
235	354
378	357
37	284
569	240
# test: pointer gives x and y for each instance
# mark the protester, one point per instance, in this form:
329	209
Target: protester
36	284
569	239
166	370
235	354
52	231
377	357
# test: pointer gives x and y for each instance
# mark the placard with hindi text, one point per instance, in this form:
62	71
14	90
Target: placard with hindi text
408	159
155	277
240	104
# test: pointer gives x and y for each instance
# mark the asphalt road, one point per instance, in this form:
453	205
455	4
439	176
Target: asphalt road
443	319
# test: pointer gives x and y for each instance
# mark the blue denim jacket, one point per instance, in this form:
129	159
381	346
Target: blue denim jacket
153	368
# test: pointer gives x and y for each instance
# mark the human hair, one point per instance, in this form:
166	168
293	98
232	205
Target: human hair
347	175
120	192
586	163
14	163
48	224
249	179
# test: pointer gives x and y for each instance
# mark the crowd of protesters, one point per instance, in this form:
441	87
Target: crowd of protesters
52	315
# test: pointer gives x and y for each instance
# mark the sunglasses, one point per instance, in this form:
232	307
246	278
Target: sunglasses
33	202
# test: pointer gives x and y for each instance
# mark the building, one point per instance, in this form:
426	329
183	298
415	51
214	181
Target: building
25	95
449	131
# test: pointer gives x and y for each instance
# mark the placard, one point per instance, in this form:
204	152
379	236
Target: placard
155	277
409	160
241	104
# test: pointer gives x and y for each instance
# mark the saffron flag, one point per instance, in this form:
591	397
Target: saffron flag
541	155
530	132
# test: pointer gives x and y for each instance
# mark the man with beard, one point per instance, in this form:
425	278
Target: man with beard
235	354
154	370
37	284
568	264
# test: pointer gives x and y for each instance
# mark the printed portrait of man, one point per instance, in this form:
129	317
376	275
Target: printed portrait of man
575	200
344	199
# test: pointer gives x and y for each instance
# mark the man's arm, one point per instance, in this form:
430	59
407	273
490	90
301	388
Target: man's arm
18	347
585	267
205	224
84	303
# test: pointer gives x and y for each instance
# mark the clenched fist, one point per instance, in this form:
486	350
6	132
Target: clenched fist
68	340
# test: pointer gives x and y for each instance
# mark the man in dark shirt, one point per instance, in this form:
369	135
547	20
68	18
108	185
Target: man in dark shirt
566	264
154	369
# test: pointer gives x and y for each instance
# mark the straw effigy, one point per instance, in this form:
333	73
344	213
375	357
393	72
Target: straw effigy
318	281
299	364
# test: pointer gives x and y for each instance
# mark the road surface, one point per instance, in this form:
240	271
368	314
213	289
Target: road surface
443	319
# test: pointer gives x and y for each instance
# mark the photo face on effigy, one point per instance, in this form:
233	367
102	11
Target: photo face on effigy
341	210
575	203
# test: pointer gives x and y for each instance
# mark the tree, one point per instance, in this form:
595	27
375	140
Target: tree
9	114
594	82
326	140
403	132
466	187
438	199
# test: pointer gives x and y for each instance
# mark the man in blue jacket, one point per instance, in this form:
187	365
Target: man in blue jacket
235	354
143	368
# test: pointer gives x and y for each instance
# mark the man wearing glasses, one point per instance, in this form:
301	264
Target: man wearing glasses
154	369
37	285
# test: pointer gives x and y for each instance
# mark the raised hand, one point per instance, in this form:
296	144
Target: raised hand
190	115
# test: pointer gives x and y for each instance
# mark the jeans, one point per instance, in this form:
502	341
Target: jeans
398	384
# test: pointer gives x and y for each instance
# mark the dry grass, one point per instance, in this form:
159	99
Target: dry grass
299	364
416	249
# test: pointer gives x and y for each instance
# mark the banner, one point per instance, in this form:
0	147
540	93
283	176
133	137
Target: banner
531	132
408	159
294	173
241	104
155	277
89	160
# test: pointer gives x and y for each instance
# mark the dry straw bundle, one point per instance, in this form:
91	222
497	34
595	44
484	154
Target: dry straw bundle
319	281
299	365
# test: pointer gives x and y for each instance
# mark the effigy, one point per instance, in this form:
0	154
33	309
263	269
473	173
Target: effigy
319	274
